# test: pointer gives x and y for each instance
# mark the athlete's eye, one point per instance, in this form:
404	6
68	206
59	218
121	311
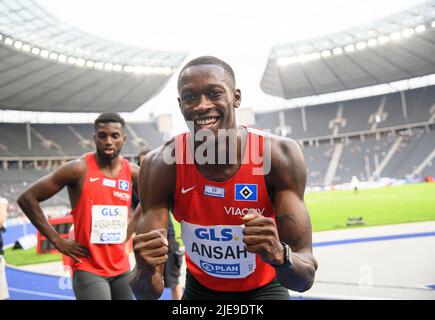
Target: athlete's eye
214	94
189	98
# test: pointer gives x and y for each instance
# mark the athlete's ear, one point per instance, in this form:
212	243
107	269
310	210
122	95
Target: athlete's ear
124	135
179	102
237	98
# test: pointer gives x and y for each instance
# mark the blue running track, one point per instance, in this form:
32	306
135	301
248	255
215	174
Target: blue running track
24	285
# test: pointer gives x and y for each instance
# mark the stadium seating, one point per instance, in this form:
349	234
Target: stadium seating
393	133
14	181
66	140
380	138
52	144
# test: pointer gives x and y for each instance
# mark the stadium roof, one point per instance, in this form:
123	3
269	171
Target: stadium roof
47	65
394	48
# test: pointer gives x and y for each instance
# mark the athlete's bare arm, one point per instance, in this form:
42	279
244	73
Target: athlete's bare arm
156	188
132	223
134	219
287	179
69	175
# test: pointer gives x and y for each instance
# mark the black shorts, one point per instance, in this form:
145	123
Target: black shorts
89	286
171	271
196	291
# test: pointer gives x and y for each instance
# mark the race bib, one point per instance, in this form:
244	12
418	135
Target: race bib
109	224
218	250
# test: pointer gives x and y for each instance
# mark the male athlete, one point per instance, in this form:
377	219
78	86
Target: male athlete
246	229
100	189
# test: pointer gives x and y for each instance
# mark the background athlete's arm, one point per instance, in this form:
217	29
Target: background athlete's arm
293	225
156	186
45	188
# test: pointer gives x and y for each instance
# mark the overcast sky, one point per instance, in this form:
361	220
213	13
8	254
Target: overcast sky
240	32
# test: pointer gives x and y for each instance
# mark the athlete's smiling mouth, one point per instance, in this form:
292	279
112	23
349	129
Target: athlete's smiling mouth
206	121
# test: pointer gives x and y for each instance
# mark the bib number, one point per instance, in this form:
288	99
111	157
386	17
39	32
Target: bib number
218	250
109	224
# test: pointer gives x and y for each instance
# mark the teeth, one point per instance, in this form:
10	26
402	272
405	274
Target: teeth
206	121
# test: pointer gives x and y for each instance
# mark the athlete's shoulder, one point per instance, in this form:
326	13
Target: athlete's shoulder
280	147
286	147
72	171
160	159
77	166
288	168
157	170
160	154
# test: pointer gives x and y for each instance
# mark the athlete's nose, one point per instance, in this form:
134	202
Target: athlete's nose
203	104
108	141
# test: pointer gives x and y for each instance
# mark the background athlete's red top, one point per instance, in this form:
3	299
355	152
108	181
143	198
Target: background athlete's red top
195	207
106	259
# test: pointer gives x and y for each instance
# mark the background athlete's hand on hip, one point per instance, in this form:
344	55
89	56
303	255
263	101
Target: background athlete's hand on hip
261	237
151	248
72	249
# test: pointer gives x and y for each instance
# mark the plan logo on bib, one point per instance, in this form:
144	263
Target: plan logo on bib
221	268
245	192
123	185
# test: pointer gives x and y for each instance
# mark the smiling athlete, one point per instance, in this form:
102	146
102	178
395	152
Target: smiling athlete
100	190
238	194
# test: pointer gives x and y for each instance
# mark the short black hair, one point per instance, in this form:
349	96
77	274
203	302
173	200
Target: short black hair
107	117
213	61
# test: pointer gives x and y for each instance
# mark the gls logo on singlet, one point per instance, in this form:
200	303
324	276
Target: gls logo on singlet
214	235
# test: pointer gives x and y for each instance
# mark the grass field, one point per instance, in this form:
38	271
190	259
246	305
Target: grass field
328	211
21	257
380	206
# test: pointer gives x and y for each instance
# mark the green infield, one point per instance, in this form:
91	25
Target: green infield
380	206
19	257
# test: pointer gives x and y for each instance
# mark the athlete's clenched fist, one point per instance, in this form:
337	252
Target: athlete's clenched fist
261	237
151	248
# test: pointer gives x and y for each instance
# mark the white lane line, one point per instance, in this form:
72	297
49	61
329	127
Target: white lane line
42	294
320	296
